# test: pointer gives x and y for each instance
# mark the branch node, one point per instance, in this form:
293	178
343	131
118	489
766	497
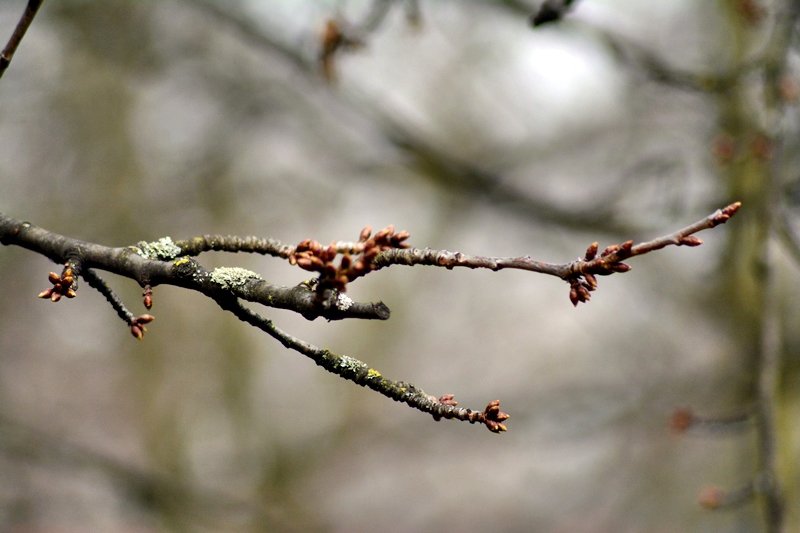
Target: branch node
65	284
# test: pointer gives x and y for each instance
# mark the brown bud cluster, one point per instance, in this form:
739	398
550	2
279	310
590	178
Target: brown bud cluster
493	417
357	261
444	399
609	262
580	289
63	285
137	325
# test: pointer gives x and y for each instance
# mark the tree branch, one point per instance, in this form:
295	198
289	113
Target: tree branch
163	263
19	32
167	262
609	261
362	374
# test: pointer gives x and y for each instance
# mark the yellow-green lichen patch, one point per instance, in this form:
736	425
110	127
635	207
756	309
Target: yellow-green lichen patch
181	261
163	249
232	277
373	374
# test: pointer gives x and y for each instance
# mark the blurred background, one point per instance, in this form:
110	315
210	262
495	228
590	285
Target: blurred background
123	121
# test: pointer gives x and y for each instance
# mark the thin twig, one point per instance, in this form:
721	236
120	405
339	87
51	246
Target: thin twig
233	244
147	267
19	32
610	261
362	374
99	284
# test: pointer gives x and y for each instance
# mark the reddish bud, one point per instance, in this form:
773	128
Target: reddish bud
591	281
45	293
144	319
54	278
591	251
625	249
448	399
305	263
137	332
400	237
608	250
731	209
365	233
620	267
690	240
370	254
583	293
573	296
493	417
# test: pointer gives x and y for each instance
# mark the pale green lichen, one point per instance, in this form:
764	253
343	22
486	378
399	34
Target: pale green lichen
343	302
163	249
232	277
349	363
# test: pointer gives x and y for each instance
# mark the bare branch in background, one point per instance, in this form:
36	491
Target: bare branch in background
462	177
550	11
19	32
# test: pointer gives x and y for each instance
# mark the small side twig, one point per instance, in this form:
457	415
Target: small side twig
136	323
362	374
19	32
580	274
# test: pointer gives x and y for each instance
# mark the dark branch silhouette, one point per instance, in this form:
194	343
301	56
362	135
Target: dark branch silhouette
168	262
19	32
